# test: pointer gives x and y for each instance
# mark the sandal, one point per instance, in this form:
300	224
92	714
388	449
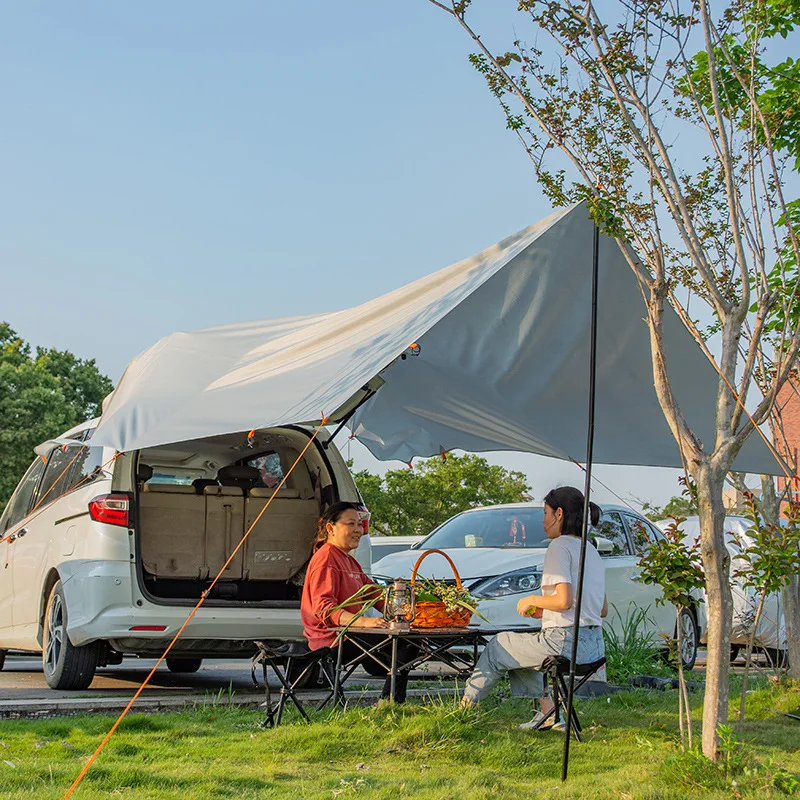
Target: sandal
536	723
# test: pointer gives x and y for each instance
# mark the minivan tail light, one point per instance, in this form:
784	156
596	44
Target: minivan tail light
364	515
113	509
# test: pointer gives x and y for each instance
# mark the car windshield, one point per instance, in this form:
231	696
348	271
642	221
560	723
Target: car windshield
491	527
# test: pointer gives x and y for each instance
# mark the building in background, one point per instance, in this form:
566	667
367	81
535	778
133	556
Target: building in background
788	434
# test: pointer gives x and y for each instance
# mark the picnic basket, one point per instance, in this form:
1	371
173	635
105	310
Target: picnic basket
434	614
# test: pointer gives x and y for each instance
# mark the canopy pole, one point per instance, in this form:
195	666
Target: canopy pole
586	491
347	417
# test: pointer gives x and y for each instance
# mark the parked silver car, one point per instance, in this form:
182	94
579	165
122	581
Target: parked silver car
386	545
771	633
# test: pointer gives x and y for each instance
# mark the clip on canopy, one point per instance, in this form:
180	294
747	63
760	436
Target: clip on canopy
503	342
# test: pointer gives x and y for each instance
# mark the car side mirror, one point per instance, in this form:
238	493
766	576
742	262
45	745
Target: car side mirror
604	546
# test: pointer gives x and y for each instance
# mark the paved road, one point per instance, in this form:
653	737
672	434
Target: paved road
23	690
22	678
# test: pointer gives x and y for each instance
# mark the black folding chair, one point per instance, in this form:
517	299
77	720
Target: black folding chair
293	663
556	669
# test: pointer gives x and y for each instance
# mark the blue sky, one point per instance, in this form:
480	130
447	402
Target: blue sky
178	165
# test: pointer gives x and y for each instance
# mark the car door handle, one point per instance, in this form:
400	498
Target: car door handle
21	532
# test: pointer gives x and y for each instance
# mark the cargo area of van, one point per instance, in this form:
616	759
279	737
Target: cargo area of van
197	499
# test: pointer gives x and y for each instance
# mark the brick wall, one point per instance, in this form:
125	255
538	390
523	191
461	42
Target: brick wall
788	442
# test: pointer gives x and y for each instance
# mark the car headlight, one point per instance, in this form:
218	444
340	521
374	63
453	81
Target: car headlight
520	581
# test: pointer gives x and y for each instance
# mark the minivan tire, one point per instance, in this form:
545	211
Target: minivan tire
65	665
691	637
184	664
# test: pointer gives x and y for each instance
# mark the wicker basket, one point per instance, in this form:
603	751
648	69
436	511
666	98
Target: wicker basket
431	614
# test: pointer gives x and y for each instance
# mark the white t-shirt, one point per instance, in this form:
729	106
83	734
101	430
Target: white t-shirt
561	566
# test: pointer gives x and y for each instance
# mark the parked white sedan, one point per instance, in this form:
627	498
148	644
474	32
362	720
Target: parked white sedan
499	553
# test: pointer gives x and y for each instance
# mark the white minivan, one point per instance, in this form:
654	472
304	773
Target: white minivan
105	554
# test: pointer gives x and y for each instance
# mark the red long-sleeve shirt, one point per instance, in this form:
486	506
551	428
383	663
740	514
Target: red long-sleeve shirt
331	578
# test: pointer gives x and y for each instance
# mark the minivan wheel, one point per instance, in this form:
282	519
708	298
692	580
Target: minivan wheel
184	664
65	665
691	635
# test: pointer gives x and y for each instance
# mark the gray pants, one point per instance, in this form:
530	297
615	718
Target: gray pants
521	655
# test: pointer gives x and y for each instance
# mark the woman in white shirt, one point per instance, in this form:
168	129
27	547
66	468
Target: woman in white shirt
521	655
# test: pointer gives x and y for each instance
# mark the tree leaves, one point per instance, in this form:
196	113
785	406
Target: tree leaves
773	556
674	566
41	395
413	502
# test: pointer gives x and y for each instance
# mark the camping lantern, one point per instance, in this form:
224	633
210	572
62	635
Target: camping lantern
399	606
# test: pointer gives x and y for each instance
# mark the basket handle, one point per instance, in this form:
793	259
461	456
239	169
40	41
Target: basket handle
424	555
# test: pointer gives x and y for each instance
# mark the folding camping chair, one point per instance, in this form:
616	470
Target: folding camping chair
556	669
285	658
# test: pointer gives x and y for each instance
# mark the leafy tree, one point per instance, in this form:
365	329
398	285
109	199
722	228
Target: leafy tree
613	108
776	86
408	502
675	507
41	395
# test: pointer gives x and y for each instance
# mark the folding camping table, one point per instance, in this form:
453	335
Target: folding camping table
458	648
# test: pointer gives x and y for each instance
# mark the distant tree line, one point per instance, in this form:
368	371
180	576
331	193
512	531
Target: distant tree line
43	392
407	502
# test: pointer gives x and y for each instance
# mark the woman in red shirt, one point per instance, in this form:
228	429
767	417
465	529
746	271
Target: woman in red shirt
333	575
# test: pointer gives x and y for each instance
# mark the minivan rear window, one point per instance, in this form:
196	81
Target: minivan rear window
270	471
56	478
87	466
175	476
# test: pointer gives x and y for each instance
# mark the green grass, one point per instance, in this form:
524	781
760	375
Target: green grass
433	751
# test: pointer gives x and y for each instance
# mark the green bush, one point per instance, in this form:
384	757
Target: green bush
633	651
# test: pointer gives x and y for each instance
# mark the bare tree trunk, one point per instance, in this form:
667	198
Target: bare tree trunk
685	691
749	656
791	616
679	645
685	714
770	505
716	563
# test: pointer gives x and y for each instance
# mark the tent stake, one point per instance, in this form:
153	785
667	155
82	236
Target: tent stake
586	491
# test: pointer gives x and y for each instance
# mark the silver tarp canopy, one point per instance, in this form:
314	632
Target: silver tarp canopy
503	365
